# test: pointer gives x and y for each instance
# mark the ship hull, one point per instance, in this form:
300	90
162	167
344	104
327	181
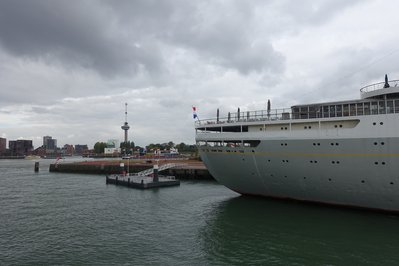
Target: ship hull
356	166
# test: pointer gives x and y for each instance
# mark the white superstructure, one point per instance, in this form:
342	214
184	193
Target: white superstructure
343	153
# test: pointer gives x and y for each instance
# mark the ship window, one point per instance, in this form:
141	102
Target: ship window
346	110
359	108
374	108
366	108
396	106
304	112
325	111
339	110
389	107
381	107
352	109
312	112
332	110
232	129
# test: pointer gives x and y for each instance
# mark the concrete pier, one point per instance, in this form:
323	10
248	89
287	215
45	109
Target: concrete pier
190	169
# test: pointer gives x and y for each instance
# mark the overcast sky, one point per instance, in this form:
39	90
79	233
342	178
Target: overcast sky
68	67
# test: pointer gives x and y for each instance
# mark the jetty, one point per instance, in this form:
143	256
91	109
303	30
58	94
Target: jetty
149	178
182	169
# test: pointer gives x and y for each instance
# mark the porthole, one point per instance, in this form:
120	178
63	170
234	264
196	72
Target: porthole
383	163
391	183
305	127
286	128
253	150
336	144
375	163
310	127
318	144
382	143
375	143
282	128
285	144
374	123
304	177
362	181
333	162
335	126
381	123
329	179
340	125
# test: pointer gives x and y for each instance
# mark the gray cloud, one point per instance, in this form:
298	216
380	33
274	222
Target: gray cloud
68	67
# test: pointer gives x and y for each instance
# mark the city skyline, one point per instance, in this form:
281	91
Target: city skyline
67	68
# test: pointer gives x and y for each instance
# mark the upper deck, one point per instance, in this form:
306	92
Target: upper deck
376	99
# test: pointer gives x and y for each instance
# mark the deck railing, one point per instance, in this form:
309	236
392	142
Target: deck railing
309	112
379	86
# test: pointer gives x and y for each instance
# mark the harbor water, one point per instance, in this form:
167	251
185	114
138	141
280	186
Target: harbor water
73	219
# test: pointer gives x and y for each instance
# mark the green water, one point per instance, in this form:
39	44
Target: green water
68	219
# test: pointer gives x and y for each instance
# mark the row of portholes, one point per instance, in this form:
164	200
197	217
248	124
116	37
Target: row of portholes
382	143
313	161
362	181
337	126
285	161
284	128
381	123
307	127
335	162
376	163
283	144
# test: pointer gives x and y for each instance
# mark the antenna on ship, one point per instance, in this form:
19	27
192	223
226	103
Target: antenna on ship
386	85
268	108
217	115
238	114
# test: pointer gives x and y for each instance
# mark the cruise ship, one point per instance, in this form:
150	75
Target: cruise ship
340	153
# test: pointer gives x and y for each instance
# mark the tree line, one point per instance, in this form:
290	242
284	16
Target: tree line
99	147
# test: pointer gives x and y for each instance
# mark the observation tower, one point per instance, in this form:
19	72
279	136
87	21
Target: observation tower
125	126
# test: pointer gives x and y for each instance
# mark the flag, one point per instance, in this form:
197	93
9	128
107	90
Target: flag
195	112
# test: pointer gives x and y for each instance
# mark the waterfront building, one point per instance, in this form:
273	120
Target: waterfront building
81	149
50	144
20	147
3	143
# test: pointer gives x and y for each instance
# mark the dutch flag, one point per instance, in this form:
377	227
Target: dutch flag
195	112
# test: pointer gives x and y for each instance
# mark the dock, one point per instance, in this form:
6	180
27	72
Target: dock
184	169
149	178
142	182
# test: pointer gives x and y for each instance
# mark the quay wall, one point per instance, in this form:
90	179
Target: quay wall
182	172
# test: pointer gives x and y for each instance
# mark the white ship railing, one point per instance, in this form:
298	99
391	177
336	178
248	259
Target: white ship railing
379	86
328	110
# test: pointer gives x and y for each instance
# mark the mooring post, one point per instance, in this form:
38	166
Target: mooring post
156	178
36	166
